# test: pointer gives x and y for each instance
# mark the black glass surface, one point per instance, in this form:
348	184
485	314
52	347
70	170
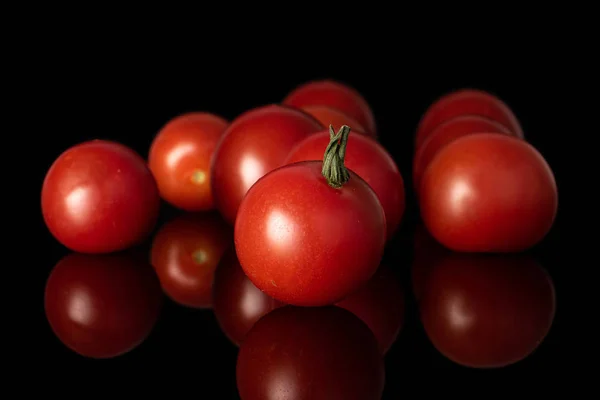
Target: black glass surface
148	334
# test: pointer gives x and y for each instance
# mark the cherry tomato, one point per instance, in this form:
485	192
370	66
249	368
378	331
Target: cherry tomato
310	238
102	306
180	158
99	197
367	158
466	102
185	253
448	132
380	305
237	303
255	143
487	311
488	192
299	353
330	116
335	95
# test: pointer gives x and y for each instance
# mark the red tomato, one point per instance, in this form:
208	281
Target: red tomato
335	95
488	193
466	102
330	116
311	233
180	158
299	353
102	306
185	253
380	305
369	160
487	311
99	197
255	143
237	303
448	132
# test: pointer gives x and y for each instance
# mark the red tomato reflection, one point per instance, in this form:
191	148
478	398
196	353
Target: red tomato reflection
310	353
427	251
237	303
379	304
102	306
487	310
185	253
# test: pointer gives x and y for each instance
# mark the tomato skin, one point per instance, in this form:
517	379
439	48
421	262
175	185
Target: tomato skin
255	143
380	304
487	311
309	250
102	306
299	353
488	193
185	253
99	197
335	95
466	102
237	303
330	116
447	132
369	160
180	158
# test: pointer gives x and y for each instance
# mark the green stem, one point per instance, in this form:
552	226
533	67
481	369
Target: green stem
333	161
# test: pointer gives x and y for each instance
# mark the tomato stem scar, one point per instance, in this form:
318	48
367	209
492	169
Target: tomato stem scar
334	169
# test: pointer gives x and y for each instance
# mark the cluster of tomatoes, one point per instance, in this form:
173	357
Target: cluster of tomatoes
288	210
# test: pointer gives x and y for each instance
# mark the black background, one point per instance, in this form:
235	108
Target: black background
112	98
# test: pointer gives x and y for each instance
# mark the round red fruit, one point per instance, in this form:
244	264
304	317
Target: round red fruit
369	160
255	143
335	95
180	158
311	233
100	197
330	116
488	192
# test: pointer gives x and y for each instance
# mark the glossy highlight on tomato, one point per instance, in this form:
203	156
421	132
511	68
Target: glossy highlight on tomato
488	193
487	311
330	116
185	253
466	102
99	197
336	95
237	303
102	306
310	250
180	158
255	143
369	160
312	353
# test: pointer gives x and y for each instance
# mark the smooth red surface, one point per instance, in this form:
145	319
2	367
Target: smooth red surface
99	197
445	134
185	253
335	95
180	158
310	354
371	161
102	306
380	304
487	311
330	116
488	193
466	102
237	303
255	143
305	243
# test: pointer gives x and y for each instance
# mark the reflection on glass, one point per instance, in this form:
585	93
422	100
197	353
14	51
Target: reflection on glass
102	306
485	310
185	252
317	353
237	303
